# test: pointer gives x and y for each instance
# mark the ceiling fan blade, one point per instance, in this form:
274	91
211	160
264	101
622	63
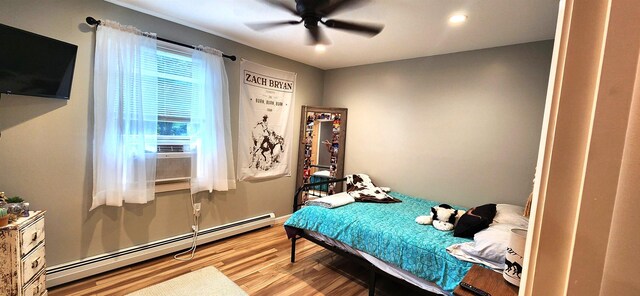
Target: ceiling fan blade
281	5
360	28
316	36
270	25
341	5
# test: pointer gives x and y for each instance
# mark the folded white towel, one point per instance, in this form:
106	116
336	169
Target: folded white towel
331	201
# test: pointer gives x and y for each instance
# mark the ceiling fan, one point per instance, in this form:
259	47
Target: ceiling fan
315	12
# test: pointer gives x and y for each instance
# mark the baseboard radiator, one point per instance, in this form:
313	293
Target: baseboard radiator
71	271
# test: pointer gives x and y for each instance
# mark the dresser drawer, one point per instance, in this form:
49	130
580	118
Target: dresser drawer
31	236
33	263
37	287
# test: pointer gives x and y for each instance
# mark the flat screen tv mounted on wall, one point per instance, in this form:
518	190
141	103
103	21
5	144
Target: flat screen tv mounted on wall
35	65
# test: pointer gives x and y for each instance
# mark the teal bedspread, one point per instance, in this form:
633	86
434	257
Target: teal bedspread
389	232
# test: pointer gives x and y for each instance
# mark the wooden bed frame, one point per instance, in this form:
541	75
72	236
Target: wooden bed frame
374	271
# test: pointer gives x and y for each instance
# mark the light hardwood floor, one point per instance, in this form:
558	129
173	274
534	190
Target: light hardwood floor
258	261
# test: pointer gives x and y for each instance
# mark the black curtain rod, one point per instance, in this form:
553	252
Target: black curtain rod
94	22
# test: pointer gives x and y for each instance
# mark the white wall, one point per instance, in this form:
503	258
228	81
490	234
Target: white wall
462	128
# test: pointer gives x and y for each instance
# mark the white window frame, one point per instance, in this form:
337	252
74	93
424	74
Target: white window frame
182	183
169	48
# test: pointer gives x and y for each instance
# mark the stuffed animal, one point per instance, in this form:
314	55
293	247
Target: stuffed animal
443	217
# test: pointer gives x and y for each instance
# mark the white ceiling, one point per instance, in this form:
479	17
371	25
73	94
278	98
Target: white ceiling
413	28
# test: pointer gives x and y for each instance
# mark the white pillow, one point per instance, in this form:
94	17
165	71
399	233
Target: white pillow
510	214
488	247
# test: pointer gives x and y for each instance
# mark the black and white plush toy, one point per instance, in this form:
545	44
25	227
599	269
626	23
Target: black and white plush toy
443	217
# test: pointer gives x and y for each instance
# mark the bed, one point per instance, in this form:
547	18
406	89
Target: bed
384	238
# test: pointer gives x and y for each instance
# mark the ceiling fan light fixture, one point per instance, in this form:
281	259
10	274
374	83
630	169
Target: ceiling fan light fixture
313	13
457	19
320	48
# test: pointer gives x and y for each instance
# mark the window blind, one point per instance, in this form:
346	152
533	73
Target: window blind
174	85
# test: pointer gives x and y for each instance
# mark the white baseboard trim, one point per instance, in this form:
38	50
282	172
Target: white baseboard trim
281	219
75	270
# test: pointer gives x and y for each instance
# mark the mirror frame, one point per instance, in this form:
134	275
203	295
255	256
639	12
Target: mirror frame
341	142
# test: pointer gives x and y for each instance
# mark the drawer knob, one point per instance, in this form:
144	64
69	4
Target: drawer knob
34	236
35	263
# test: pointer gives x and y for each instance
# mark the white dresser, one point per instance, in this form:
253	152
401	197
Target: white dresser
22	262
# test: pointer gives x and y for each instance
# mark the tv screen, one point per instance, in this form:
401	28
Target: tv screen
35	65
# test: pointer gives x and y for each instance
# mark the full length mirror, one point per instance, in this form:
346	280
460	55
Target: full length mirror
321	154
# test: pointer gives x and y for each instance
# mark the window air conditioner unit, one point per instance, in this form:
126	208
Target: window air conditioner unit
173	164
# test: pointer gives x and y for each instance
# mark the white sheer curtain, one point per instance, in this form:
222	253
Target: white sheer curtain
210	132
125	113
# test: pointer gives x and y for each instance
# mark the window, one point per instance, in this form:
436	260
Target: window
175	90
137	76
174	93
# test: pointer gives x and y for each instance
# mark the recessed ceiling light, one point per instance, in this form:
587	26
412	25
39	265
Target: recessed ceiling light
458	19
320	48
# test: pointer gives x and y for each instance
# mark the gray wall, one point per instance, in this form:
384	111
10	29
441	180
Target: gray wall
462	128
46	150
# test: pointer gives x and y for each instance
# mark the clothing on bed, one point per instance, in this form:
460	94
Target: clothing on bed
362	189
388	232
475	220
331	201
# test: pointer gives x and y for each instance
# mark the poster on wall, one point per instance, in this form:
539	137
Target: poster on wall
265	136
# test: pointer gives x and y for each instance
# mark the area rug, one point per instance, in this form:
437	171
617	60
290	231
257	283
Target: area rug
207	281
